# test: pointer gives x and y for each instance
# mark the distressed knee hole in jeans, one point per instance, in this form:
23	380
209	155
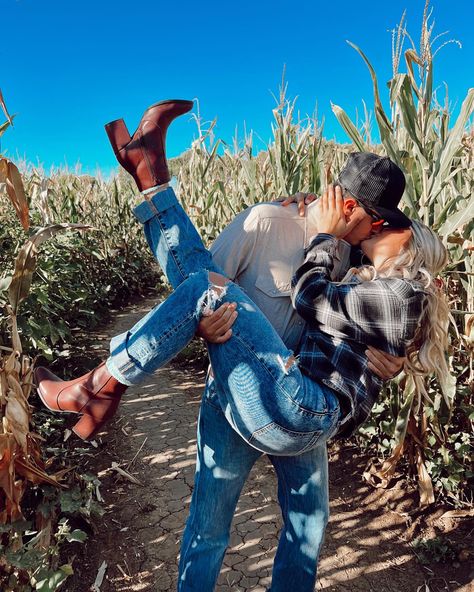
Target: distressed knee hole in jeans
286	366
216	291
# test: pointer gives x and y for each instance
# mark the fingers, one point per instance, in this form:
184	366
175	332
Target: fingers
339	202
301	204
225	322
301	199
298	197
324	201
216	328
383	364
335	201
304	199
223	338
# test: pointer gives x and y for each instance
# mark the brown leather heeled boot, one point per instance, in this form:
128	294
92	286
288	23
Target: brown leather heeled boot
143	155
95	396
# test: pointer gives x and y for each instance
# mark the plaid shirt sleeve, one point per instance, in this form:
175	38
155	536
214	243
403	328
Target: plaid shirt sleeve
378	312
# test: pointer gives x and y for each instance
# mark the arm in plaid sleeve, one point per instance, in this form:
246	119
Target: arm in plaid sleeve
378	313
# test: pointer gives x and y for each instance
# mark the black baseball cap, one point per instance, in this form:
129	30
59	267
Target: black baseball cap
377	183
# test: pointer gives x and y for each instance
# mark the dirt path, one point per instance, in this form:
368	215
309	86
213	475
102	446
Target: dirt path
367	544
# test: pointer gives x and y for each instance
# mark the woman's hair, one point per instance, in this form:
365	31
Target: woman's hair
421	259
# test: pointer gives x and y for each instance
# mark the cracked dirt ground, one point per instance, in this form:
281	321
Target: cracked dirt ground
366	545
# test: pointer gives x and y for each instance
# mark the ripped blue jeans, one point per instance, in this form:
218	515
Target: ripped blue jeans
263	393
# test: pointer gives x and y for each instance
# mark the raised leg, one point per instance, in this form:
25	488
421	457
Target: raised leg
263	393
172	237
160	334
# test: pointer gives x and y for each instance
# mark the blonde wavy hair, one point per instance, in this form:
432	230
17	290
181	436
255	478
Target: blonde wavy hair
421	259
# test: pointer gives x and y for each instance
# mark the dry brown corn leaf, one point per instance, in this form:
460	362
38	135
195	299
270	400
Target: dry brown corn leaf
18	421
44	527
27	376
381	477
425	485
7	468
3	387
15	387
12	365
16	341
10	175
13	509
32	473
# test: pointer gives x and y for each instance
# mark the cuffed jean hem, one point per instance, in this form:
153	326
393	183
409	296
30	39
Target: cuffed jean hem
160	202
122	367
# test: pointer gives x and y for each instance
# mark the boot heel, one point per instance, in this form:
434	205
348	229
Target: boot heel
118	134
86	427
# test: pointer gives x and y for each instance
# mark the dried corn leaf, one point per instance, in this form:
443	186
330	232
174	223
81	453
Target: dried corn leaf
16	390
12	511
12	364
27	376
18	422
124	473
458	514
3	387
10	175
44	527
425	485
16	341
7	469
25	265
381	477
34	474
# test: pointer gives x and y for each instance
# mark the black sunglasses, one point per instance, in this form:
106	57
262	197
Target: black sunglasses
373	214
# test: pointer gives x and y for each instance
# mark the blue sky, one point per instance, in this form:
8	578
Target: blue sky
69	67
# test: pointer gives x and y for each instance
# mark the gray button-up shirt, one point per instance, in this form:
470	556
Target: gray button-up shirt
260	250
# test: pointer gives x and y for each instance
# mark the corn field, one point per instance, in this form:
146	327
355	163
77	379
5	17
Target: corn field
61	232
433	434
49	294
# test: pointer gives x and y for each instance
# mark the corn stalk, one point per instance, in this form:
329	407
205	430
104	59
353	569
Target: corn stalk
21	459
437	160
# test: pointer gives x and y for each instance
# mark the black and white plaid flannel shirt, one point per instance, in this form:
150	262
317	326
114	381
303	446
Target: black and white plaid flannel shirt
343	319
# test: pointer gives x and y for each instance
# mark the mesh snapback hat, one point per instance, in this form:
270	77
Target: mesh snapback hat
377	183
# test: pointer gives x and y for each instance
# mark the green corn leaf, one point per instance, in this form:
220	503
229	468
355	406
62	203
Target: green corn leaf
25	263
444	161
410	57
6	125
379	110
349	128
401	92
461	217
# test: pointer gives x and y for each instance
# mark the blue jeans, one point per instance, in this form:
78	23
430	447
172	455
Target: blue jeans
224	459
262	392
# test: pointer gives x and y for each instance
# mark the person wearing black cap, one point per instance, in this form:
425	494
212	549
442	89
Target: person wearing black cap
378	185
